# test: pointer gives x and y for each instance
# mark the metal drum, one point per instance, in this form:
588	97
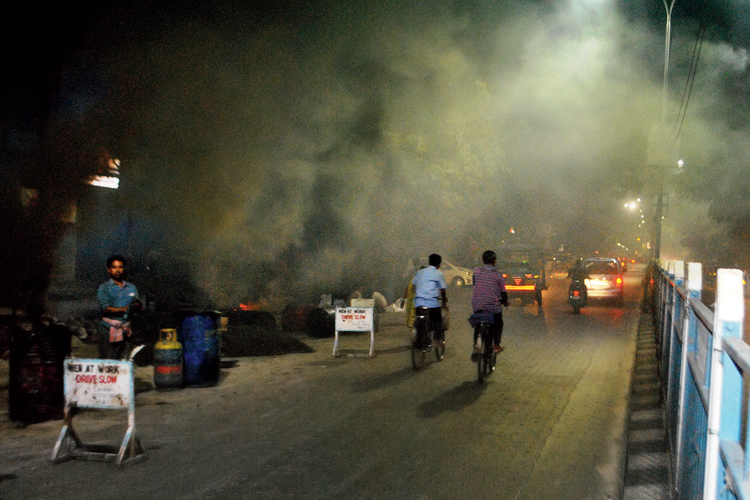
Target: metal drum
36	373
168	360
201	346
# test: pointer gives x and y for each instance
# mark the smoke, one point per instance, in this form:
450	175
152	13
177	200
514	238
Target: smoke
290	152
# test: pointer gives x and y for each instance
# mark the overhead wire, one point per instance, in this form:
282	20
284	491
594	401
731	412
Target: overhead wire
682	112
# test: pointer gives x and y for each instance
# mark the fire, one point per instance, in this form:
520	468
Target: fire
250	306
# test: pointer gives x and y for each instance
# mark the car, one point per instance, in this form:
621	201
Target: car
456	275
523	266
521	281
605	279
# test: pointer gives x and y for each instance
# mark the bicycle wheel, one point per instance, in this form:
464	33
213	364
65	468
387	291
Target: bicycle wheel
481	369
493	362
417	356
419	345
481	361
439	346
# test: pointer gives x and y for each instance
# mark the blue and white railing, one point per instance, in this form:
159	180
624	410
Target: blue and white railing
705	370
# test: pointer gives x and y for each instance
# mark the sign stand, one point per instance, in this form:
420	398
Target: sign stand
100	384
354	319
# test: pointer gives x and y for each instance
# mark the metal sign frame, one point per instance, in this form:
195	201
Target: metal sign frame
355	319
98	384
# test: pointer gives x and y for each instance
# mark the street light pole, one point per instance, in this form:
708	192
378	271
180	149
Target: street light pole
665	135
667	47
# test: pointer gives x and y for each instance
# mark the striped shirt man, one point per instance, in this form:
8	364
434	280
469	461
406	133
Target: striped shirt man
488	287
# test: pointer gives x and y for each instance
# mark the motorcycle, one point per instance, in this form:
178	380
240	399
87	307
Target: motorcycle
577	296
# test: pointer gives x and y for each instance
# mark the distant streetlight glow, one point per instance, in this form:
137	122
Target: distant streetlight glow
632	205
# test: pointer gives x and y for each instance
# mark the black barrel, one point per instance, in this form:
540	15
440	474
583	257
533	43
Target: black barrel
201	347
36	373
321	322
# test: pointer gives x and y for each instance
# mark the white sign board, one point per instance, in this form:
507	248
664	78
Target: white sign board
102	384
99	383
354	319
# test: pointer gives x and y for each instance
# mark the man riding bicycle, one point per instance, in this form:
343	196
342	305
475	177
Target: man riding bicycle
488	298
429	286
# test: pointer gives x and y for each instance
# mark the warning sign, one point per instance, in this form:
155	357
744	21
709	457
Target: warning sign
354	319
98	383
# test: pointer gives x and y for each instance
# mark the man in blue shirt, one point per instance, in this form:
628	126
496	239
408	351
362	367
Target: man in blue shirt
429	284
117	300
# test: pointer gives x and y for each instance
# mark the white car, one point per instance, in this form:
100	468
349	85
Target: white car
455	275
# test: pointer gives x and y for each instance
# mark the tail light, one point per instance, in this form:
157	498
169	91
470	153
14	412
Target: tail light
505	275
576	293
529	275
619	281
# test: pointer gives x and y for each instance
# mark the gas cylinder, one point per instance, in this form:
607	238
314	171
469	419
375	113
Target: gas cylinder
168	359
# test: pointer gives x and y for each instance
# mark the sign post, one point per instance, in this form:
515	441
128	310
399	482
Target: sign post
355	319
99	384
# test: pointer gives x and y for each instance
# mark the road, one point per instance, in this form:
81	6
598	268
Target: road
548	425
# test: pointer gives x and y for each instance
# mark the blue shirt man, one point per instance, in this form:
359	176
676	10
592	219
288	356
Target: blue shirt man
116	299
429	284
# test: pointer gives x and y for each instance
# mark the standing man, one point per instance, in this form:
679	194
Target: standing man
117	299
429	285
489	296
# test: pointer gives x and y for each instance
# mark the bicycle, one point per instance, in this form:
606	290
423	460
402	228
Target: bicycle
485	355
425	341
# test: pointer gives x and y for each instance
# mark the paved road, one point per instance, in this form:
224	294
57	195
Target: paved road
549	424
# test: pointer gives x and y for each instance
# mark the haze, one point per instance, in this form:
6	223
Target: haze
284	152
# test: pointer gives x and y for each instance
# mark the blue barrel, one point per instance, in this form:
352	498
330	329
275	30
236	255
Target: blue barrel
201	347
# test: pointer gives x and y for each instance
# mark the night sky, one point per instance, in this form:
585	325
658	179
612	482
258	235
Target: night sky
298	147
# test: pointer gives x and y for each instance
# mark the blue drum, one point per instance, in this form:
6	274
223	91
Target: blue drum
201	347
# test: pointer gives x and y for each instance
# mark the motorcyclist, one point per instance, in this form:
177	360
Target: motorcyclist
578	276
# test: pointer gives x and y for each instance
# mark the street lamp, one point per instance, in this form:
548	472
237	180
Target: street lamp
667	45
663	136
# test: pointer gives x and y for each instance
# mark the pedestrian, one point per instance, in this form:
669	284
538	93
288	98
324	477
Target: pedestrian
118	299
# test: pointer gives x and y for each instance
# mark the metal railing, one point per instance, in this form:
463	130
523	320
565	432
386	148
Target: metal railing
705	372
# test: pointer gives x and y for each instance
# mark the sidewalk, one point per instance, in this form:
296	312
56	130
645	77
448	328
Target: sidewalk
647	476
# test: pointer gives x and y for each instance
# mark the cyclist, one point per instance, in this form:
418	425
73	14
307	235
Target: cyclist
488	298
429	284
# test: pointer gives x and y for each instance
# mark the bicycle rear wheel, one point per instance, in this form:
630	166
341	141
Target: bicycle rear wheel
492	362
486	362
482	362
481	369
419	345
418	355
439	345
